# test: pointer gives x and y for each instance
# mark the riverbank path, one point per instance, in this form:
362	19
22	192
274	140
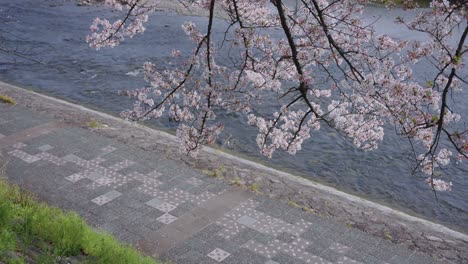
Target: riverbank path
167	209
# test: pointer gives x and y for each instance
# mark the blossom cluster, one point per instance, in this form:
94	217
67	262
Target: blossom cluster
109	34
328	68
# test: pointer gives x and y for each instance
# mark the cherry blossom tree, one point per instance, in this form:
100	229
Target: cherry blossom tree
328	68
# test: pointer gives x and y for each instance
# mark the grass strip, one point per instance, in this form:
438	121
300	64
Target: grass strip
7	99
33	232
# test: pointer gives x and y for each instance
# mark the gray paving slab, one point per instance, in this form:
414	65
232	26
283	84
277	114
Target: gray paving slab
245	256
170	210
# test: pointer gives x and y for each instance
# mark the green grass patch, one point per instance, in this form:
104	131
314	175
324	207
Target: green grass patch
217	173
254	188
32	232
95	124
303	207
7	99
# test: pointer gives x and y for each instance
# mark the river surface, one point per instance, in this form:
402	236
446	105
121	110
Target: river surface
53	31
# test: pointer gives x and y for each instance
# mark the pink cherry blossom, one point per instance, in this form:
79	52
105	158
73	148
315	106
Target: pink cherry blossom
327	67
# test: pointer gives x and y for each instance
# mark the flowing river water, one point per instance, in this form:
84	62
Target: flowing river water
53	31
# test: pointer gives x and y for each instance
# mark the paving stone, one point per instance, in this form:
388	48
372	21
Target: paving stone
217	187
194	257
145	209
89	154
358	245
208	232
127	150
263	238
138	196
194	181
218	254
190	223
75	177
194	244
128	237
331	255
274	208
43	184
161	205
108	149
185	186
314	233
107	216
183	208
347	260
125	221
12	127
54	180
293	216
100	200
155	225
26	157
110	228
45	147
15	168
19	146
339	248
150	220
4	129
166	177
79	190
121	165
130	202
110	159
94	176
246	220
112	194
244	236
286	237
176	252
286	259
218	241
166	218
197	190
169	185
143	169
126	171
31	149
141	230
62	151
245	256
362	257
71	158
352	235
318	245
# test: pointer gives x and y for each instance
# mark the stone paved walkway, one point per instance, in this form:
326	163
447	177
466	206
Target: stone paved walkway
169	210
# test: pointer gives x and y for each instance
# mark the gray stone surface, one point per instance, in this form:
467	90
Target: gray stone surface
170	210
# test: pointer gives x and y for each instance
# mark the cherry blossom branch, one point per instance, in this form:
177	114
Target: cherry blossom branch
328	67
